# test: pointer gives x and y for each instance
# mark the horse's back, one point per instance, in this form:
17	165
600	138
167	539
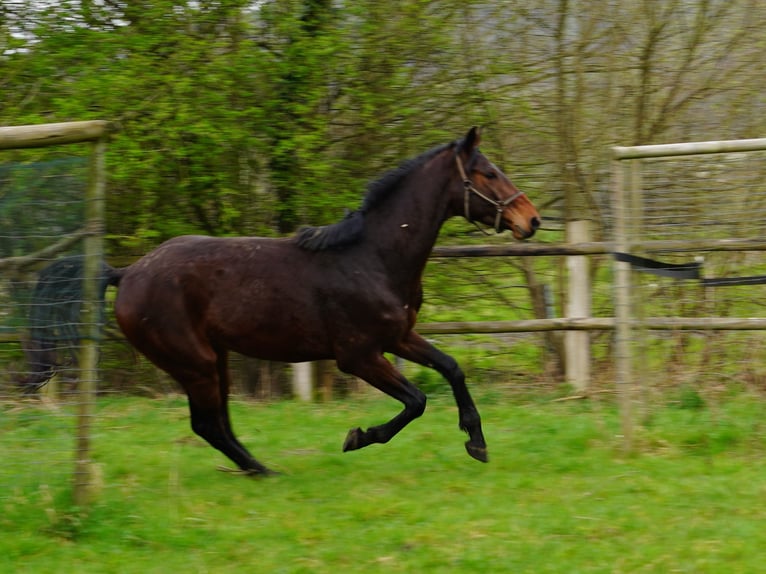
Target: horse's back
226	292
199	267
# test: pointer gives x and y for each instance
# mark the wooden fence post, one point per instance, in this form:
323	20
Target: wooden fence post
578	306
622	302
303	379
93	250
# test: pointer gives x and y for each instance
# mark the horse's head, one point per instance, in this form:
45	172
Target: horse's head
489	196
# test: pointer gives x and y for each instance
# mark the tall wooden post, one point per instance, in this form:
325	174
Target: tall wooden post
91	319
622	301
578	306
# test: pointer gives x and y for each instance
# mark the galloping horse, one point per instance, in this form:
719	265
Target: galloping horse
350	291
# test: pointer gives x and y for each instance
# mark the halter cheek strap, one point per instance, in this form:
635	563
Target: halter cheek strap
469	189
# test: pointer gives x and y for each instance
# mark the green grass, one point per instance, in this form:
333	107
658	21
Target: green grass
557	496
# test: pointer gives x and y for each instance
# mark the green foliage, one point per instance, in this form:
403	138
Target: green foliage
255	117
557	495
234	120
242	117
44	196
429	381
690	398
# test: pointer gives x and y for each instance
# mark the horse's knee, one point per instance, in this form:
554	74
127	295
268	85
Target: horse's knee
418	404
453	372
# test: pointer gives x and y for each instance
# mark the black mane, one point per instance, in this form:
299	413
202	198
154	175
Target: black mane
350	229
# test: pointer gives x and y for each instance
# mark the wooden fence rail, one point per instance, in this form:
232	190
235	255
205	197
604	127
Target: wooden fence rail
592	324
598	248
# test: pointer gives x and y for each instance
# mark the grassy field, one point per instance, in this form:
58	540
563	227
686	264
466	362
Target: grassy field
557	496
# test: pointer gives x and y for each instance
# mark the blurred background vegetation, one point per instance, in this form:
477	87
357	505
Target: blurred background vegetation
256	117
246	116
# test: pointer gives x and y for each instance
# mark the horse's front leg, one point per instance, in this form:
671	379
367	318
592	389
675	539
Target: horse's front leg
381	374
416	349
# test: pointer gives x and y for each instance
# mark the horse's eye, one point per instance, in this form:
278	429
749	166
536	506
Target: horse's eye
490	175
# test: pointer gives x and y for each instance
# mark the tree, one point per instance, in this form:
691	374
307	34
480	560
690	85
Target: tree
244	117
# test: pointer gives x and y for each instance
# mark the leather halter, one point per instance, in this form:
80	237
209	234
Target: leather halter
469	188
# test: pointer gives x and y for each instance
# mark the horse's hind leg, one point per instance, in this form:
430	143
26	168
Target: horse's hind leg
382	375
416	349
208	405
159	324
212	425
203	374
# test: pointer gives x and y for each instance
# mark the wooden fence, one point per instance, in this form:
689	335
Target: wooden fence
626	191
629	321
629	209
95	133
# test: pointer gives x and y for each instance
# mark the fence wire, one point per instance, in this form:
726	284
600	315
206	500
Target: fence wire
698	199
42	200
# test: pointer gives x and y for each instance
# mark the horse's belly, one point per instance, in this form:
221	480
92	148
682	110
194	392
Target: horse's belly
276	333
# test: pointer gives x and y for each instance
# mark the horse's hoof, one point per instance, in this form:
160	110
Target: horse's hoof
477	452
353	440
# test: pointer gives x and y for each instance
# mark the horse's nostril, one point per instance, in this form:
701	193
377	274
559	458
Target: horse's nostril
535	223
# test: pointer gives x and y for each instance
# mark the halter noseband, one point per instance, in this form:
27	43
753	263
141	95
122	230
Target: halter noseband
469	188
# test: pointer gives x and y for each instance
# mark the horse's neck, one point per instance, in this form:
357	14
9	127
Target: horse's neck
403	232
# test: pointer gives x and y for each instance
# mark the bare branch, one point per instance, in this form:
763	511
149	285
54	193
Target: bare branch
63	244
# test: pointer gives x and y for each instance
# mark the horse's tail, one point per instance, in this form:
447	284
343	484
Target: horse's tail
111	276
55	314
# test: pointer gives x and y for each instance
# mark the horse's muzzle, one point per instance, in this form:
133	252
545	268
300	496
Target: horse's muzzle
525	231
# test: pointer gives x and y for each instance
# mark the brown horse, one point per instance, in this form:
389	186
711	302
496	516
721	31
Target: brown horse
349	291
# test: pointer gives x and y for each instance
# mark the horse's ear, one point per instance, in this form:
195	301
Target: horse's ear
471	141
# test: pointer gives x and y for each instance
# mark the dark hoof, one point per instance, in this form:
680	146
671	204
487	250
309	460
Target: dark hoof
353	440
477	452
